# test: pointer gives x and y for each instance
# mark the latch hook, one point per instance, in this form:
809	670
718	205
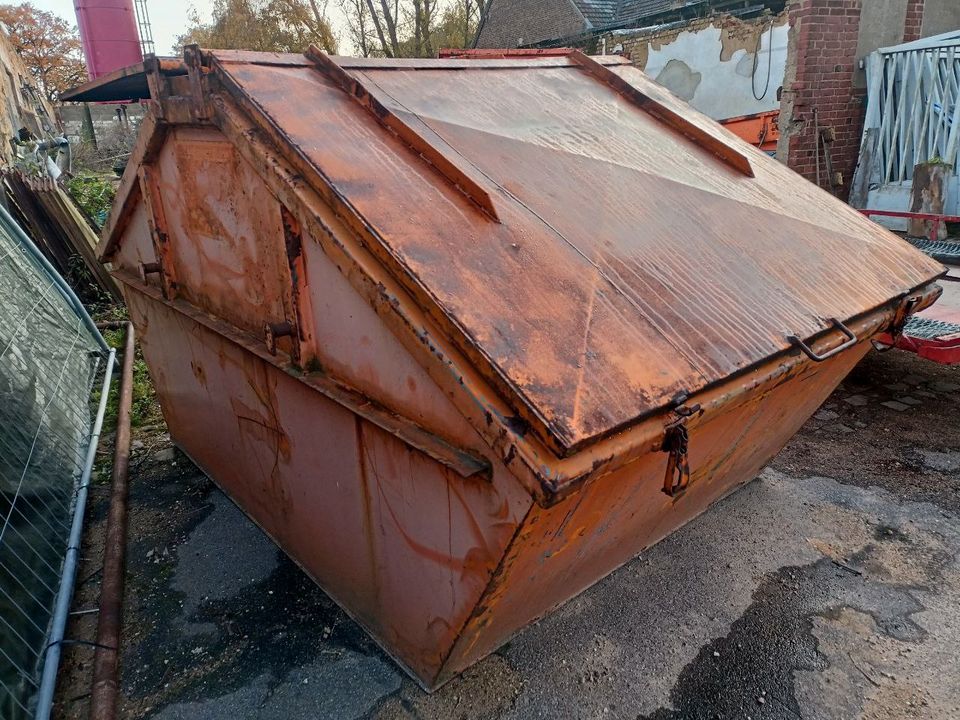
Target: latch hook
675	443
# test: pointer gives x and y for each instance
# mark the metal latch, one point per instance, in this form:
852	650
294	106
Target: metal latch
676	441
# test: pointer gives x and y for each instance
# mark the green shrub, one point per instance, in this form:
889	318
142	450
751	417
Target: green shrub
94	194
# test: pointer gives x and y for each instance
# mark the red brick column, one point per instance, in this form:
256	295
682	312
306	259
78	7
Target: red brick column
911	27
824	52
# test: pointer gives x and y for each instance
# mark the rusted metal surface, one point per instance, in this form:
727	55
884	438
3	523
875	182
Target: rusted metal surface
564	549
463	335
402	542
157	221
608	287
666	114
447	164
462	461
106	659
150	139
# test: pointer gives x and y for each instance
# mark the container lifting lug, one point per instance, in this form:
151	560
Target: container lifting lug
272	331
150	268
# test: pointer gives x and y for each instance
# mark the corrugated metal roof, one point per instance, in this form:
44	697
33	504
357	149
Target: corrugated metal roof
602	13
598	12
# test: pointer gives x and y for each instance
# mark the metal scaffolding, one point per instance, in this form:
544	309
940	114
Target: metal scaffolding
912	117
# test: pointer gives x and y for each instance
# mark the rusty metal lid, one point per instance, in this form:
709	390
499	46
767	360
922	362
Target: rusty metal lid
593	244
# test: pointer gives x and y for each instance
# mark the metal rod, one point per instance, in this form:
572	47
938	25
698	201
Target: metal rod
103	699
62	285
59	621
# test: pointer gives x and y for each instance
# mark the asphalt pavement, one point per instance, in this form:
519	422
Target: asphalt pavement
827	588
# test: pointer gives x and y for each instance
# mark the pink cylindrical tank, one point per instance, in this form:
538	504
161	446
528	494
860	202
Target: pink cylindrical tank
108	29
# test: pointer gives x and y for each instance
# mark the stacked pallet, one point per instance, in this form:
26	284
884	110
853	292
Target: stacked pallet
56	225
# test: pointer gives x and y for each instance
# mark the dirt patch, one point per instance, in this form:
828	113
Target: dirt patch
878	425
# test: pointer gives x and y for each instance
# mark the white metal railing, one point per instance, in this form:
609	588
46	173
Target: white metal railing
919	110
913	116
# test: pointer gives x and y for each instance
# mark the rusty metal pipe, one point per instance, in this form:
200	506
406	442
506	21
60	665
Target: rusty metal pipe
103	701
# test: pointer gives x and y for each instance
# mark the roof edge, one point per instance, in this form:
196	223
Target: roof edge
126	83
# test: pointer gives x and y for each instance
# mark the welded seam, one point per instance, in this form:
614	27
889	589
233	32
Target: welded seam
487	591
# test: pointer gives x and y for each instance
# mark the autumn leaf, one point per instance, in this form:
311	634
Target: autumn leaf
48	45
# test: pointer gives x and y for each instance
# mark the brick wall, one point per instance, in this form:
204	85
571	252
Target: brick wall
819	87
822	58
914	21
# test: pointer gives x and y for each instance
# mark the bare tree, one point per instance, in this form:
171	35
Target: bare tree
357	15
422	17
266	25
410	28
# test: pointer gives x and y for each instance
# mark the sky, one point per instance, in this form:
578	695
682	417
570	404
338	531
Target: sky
167	17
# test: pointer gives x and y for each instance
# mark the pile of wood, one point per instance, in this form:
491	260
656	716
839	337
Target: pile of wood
56	225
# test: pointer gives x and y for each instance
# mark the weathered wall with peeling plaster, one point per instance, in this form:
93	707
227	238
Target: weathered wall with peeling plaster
21	103
710	62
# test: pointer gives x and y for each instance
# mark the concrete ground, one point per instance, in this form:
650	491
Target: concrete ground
826	589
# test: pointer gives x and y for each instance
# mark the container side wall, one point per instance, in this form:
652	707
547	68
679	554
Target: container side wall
406	545
225	231
138	247
352	342
562	550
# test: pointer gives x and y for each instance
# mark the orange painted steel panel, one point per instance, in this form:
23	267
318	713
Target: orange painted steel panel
564	549
464	335
761	130
402	543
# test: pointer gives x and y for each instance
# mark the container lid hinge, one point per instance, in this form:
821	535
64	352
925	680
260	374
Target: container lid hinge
903	313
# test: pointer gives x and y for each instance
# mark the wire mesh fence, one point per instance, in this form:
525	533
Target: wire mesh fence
51	359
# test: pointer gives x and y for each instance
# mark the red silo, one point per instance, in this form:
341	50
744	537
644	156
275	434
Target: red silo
108	29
